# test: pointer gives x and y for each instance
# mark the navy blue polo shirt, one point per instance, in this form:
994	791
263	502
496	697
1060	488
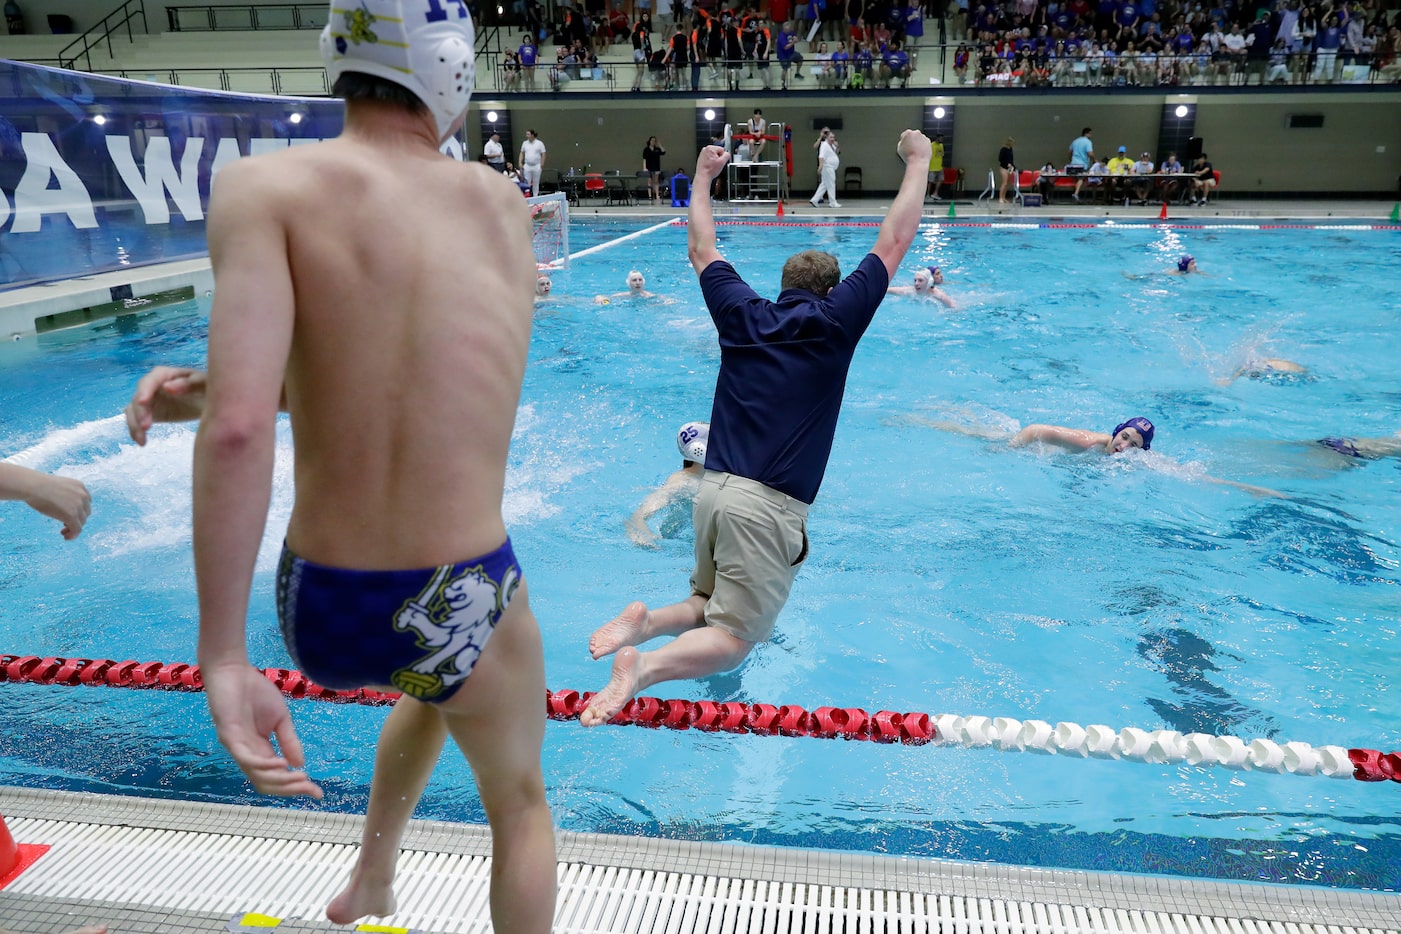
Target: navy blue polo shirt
783	367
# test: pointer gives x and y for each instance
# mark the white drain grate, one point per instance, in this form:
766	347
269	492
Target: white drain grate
230	874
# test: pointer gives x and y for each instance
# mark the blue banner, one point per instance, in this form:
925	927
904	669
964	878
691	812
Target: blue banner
98	174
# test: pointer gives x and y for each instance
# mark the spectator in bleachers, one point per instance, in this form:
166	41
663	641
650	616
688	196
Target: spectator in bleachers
527	55
1326	45
733	50
763	53
641	48
1385	60
789	58
841	66
913	18
895	65
960	62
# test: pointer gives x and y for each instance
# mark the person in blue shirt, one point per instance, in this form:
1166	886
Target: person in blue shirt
1326	44
783	368
865	61
527	56
1082	156
895	64
788	54
841	72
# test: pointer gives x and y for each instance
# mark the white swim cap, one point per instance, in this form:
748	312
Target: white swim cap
691	441
422	45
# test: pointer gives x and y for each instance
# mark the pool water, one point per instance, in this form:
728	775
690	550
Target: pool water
948	574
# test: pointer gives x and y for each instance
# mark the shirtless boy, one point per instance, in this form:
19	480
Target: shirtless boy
340	290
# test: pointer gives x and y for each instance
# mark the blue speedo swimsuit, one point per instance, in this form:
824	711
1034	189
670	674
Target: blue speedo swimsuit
421	631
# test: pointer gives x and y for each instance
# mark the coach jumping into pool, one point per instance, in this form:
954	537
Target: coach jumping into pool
783	367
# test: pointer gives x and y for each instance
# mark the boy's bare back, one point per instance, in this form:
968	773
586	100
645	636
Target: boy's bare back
411	280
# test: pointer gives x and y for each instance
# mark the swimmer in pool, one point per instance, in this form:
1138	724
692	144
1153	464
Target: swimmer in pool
61	498
1135	433
1186	266
1264	368
397	573
682	484
543	287
637	288
927	282
1364	449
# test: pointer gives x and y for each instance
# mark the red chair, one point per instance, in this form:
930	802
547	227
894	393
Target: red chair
595	186
953	179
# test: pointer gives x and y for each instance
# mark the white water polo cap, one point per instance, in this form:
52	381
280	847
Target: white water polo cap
422	45
691	440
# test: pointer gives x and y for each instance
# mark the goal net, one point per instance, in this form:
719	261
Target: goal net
549	228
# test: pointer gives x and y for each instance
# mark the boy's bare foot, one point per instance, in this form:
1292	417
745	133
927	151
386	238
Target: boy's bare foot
626	629
604	705
360	900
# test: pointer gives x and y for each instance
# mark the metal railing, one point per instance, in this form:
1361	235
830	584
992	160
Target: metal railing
102	32
246	17
297	82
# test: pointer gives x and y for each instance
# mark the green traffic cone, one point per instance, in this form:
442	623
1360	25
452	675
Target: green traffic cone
952	212
1396	213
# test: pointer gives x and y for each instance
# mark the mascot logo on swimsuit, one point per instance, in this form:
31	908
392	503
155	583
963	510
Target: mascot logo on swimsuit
455	617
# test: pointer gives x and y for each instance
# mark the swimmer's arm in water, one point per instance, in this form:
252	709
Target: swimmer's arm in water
1253	490
1072	439
900	290
170	394
972	431
939	296
250	339
61	498
677	486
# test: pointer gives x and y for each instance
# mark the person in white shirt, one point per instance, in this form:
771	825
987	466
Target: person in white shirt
532	160
827	162
495	155
1144	166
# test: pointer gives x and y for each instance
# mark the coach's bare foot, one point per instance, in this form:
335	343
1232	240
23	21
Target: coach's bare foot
361	899
625	630
604	705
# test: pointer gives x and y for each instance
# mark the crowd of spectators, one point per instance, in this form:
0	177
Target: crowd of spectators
1175	42
704	44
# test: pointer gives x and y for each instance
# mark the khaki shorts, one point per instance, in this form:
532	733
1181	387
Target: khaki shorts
750	542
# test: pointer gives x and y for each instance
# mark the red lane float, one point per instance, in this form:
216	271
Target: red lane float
851	723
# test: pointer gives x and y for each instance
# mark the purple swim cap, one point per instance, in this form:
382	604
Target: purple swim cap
933	270
1183	263
1144	427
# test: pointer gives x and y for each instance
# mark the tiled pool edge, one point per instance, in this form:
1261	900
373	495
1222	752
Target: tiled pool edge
1259	902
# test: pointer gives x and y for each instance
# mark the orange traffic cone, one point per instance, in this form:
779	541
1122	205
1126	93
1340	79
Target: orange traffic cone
1162	215
9	850
16	857
779	212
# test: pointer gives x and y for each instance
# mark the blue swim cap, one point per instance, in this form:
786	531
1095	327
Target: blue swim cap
1184	262
1144	426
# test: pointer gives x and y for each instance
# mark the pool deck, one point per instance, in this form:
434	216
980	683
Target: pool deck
19	308
147	865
